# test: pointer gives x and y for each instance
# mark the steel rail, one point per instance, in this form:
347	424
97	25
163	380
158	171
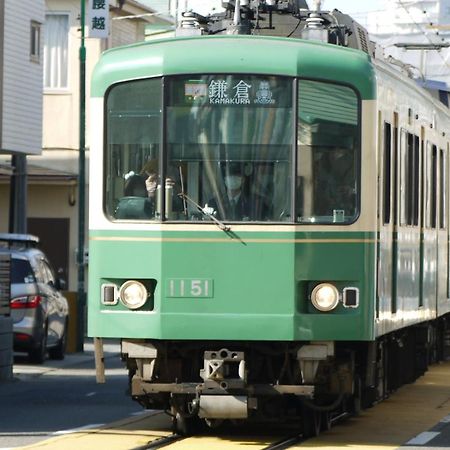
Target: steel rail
161	442
286	442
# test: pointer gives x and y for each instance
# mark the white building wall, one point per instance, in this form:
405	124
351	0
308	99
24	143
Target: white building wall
22	79
61	106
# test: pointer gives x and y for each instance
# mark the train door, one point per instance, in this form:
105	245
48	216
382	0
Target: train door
447	218
384	212
388	254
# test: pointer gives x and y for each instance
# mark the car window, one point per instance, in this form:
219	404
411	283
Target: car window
49	271
41	271
21	271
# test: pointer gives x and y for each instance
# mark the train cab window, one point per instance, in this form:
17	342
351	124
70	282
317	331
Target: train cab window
228	144
133	138
328	153
229	138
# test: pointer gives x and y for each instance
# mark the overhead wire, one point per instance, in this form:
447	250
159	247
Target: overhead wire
425	34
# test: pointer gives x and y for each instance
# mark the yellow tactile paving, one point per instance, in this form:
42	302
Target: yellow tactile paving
122	435
411	410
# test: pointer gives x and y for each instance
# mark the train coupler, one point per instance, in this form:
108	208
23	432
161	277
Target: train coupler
224	368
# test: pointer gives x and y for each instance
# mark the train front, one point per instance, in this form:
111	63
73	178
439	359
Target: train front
232	240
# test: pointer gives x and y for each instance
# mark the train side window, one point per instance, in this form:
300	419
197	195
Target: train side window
415	179
404	185
409	179
387	173
431	186
433	210
395	163
442	189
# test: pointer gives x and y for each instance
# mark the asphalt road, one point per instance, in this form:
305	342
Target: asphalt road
60	396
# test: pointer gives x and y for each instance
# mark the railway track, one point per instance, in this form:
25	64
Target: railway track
175	440
230	440
278	443
165	441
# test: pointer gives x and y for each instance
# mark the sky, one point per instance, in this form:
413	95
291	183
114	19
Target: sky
351	6
358	9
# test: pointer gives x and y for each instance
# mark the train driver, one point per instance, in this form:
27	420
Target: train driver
152	181
237	204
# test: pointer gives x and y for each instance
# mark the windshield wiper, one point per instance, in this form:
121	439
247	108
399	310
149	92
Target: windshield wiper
219	223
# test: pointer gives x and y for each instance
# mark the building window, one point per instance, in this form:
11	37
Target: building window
56	40
35	41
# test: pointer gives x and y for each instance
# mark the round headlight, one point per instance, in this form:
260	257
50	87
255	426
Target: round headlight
133	294
325	297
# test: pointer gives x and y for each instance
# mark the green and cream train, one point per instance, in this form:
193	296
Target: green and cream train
269	222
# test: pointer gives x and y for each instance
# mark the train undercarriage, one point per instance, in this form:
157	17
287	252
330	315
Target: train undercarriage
307	383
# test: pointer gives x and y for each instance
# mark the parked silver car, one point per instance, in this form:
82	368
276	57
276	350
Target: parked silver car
40	312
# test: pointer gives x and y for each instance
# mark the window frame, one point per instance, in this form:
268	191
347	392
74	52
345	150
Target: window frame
63	89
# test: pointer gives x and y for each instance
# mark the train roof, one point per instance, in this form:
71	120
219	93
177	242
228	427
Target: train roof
236	54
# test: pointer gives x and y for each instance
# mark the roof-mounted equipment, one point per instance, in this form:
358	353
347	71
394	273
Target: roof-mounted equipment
287	18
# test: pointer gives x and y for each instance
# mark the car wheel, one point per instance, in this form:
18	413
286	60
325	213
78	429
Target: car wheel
37	355
59	351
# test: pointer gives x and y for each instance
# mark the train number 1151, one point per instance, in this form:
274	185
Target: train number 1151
189	287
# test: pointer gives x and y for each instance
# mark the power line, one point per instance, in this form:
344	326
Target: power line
423	32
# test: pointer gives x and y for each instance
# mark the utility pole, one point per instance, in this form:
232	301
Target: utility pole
18	195
81	297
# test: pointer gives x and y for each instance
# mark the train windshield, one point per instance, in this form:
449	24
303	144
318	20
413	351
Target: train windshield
230	138
229	143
